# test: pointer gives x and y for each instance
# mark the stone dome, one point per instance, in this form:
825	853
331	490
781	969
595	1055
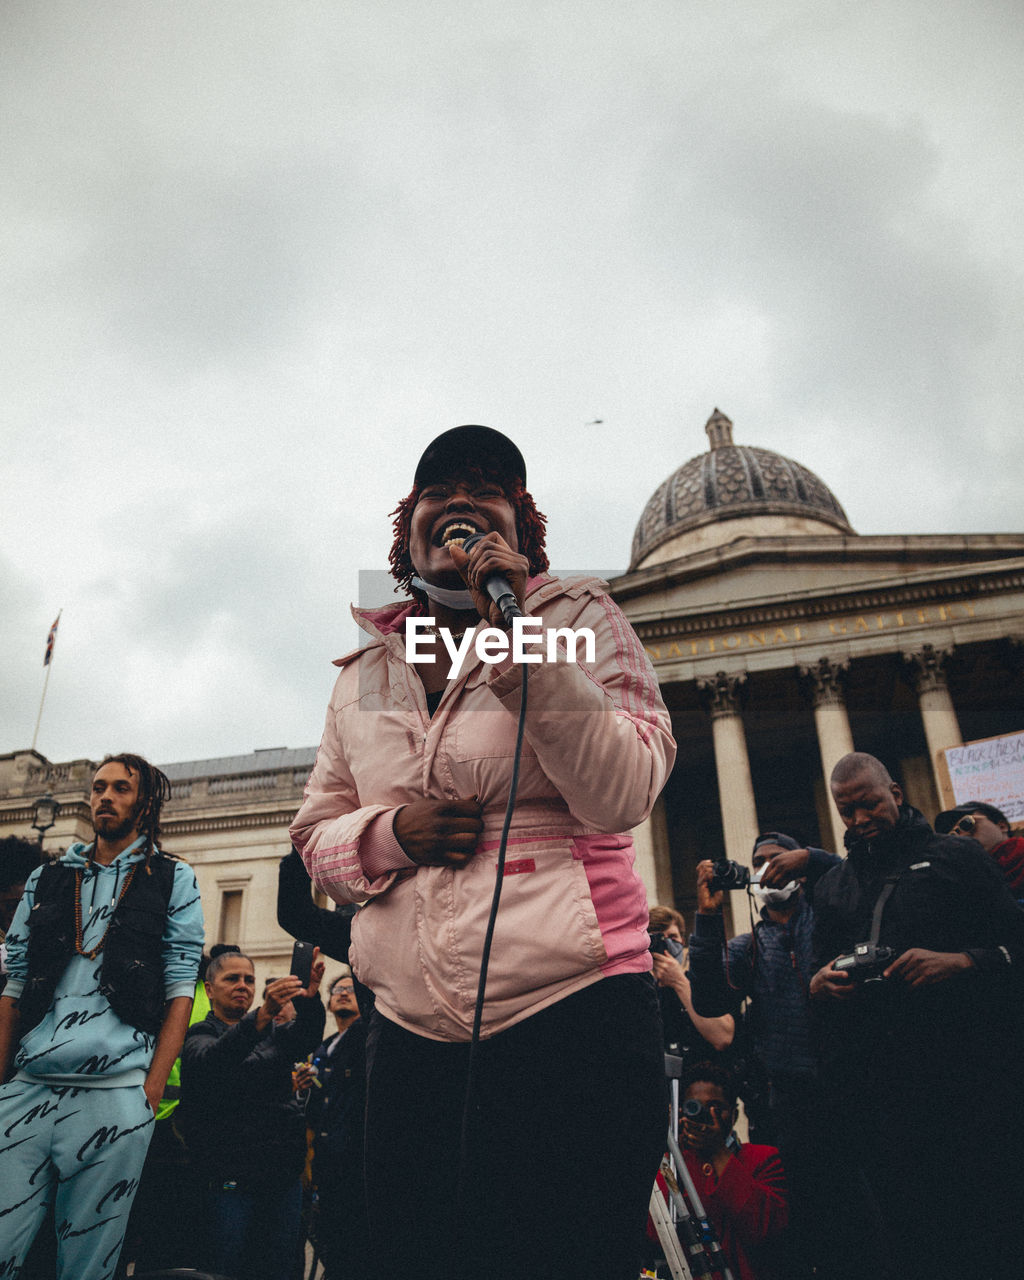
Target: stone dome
765	492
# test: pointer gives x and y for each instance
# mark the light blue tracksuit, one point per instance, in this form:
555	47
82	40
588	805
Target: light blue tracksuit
75	1122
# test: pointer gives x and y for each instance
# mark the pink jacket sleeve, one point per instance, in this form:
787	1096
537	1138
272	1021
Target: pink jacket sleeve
601	731
349	850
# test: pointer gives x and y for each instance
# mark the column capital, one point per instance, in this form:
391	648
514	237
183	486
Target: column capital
721	692
1011	655
825	680
926	666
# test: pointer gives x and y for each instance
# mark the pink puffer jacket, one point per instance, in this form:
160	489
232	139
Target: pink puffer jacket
598	748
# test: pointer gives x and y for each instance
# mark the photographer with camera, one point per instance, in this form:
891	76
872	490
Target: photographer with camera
772	968
919	950
741	1186
687	1033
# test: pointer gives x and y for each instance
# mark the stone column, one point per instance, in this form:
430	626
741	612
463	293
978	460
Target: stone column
835	740
941	727
732	765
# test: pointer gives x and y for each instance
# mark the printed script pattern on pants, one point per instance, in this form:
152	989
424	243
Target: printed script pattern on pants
83	1149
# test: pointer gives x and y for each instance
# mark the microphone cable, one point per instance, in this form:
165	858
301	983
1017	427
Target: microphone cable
478	1012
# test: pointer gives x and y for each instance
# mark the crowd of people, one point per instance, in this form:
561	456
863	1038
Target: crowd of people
878	1054
493	1100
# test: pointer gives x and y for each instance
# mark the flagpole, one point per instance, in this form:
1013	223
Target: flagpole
46	682
40	715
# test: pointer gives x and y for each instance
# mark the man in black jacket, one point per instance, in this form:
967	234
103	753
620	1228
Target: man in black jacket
920	1042
243	1127
335	1114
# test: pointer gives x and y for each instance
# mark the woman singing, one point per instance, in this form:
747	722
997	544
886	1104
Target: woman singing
403	811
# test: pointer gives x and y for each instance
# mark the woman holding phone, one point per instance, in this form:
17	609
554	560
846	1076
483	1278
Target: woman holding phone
241	1122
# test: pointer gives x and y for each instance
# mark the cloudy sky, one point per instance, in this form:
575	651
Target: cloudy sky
255	255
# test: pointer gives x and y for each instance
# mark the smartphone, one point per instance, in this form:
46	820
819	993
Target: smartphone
302	961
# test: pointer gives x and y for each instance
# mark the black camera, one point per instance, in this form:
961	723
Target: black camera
659	945
696	1113
728	875
866	962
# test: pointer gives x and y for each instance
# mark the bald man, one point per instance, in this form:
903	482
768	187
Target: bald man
919	955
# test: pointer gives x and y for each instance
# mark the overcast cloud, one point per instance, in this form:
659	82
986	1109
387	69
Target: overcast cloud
255	255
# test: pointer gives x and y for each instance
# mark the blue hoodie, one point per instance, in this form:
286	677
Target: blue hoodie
81	1041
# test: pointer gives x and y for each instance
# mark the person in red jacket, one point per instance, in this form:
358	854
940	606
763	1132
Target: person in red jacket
743	1189
991	828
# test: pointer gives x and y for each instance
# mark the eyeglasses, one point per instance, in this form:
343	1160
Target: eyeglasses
965	826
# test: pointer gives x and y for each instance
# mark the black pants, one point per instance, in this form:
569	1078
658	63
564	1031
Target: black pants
949	1197
835	1229
566	1134
340	1228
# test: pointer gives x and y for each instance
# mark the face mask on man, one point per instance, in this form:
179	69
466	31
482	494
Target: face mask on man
771	897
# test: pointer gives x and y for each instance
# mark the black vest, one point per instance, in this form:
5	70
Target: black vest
132	969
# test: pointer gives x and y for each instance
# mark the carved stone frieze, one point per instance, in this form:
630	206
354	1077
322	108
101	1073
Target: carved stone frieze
923	603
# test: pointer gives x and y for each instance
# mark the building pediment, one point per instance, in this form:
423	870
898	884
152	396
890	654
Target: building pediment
762	570
772	606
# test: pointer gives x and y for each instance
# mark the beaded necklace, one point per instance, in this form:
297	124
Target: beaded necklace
79	940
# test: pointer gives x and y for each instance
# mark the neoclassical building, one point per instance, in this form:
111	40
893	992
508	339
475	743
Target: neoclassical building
783	639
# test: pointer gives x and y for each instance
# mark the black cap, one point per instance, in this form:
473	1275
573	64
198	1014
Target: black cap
470	446
775	837
948	818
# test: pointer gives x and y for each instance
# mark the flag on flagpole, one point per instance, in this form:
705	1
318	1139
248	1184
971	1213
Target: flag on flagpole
51	640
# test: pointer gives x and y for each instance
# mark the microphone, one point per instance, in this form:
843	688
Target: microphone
497	587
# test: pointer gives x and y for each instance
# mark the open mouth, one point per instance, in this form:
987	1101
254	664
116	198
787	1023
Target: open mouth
455	533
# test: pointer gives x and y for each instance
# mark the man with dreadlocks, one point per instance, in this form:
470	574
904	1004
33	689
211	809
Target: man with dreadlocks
102	954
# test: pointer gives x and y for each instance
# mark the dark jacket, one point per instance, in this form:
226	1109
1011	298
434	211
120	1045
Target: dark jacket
132	968
299	915
949	896
330	930
238	1115
335	1111
772	967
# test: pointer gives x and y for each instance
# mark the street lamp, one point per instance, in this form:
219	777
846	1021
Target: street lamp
46	810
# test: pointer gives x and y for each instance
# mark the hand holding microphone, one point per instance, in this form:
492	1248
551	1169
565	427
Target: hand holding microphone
495	574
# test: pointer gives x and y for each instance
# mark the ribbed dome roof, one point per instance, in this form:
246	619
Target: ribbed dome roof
729	481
